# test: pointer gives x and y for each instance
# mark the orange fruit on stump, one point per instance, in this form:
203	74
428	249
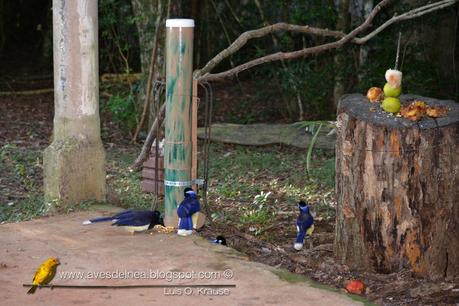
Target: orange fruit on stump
375	94
355	286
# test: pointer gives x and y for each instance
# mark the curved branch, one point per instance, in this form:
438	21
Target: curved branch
246	36
289	55
151	71
137	165
408	15
203	75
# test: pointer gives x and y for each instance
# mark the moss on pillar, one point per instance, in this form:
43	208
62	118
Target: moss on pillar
74	171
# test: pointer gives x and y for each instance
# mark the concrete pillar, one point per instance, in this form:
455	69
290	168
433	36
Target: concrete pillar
74	163
178	145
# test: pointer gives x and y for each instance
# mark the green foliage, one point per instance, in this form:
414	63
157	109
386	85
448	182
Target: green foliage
259	212
312	79
123	184
33	205
249	174
123	111
241	113
24	164
256	216
314	128
325	172
253	187
119	44
25	167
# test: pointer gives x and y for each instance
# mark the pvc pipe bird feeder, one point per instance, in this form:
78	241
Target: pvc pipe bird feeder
178	123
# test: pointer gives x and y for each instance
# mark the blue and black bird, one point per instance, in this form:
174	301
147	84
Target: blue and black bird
304	225
189	206
220	240
132	220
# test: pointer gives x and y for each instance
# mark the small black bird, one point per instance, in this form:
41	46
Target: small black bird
220	240
132	220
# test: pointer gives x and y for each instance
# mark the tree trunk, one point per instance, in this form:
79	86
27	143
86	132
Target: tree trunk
146	12
397	189
364	9
342	24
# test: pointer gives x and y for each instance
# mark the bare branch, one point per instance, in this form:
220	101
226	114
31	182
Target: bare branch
137	165
291	55
204	75
408	15
151	71
246	36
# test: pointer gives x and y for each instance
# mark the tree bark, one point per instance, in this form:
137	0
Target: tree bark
340	59
397	189
365	9
146	12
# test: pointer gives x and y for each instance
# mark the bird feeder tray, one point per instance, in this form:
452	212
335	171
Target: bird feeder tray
397	189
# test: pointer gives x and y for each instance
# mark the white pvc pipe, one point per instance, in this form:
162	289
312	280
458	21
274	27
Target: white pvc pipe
180	23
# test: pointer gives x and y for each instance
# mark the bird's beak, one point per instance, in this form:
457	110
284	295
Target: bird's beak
58	262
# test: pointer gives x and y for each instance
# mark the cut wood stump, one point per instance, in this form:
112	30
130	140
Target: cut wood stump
397	185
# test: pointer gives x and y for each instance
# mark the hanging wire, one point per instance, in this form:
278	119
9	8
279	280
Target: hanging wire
158	90
208	108
398	50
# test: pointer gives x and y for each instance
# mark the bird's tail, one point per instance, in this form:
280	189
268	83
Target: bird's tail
32	289
301	233
101	219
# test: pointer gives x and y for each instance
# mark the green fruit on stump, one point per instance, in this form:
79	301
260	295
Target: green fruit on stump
391	104
390	91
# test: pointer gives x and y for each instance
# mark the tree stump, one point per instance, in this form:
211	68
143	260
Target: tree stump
397	186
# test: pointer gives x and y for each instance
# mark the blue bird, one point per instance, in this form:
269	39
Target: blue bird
304	225
132	220
189	206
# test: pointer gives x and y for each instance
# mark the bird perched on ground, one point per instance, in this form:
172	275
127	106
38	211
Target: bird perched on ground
304	225
44	274
220	240
189	206
132	220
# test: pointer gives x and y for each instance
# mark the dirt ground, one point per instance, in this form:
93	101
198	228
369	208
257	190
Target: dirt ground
108	256
26	121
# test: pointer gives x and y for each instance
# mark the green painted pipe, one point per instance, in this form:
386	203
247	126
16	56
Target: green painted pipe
177	148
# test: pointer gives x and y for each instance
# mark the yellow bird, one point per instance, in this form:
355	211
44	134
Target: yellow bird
45	273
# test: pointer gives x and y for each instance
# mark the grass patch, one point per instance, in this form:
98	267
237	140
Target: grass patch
244	172
259	182
125	184
21	165
25	209
21	183
252	187
21	175
291	277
